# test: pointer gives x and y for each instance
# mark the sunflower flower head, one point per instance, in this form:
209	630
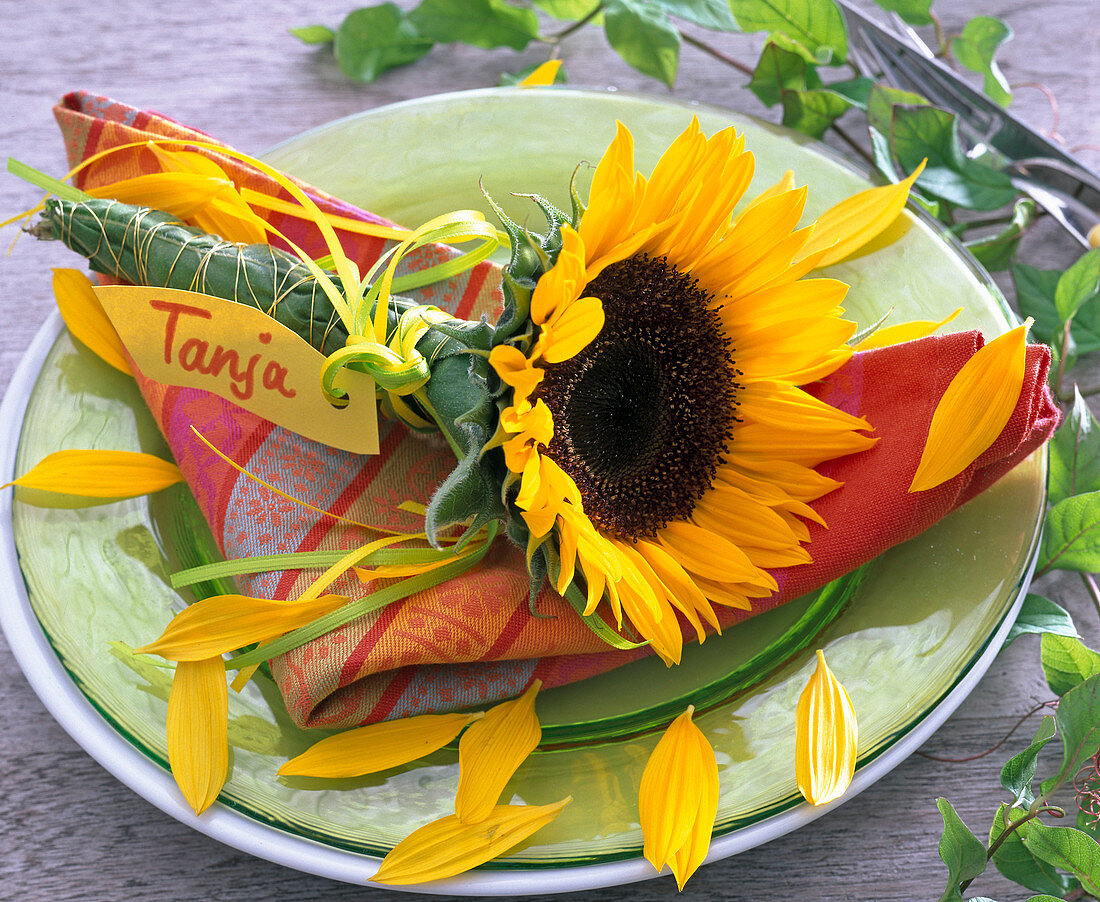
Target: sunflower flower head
660	449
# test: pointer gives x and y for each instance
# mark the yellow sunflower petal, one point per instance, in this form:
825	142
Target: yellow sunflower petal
491	750
447	846
514	369
224	623
645	601
709	555
100	474
845	228
612	198
560	287
760	236
198	744
780	303
896	334
572	330
181	194
379	746
825	737
683	593
785	184
678	798
543	75
86	318
974	409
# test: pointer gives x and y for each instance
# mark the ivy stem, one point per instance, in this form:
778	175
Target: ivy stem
1094	590
989	751
576	26
941	38
717	54
853	144
1011	827
1062	357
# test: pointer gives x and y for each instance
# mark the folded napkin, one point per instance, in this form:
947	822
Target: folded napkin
473	640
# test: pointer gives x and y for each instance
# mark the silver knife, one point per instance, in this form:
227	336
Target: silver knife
1051	176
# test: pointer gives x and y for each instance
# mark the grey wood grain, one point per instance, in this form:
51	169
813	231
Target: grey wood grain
68	830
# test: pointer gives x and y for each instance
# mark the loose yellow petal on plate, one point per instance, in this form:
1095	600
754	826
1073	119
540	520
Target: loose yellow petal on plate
100	474
678	799
198	744
225	623
491	750
896	334
825	737
843	229
542	75
974	409
86	318
447	846
378	746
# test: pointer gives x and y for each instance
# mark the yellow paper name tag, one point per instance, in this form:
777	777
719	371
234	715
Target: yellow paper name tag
241	354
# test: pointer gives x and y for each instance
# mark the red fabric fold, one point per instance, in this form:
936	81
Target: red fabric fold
473	640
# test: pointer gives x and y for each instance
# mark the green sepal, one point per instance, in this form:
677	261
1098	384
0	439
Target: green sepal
537	571
576	201
594	622
870	330
460	403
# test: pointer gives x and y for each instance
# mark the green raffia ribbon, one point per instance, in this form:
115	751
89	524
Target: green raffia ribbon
366	605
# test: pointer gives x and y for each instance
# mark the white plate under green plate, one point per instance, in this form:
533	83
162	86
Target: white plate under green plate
911	644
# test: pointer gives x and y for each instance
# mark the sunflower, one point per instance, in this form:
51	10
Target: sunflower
657	426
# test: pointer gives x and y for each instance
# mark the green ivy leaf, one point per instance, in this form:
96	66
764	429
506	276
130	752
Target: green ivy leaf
915	12
1041	615
996	251
567	10
1019	770
816	26
714	15
881	102
1035	295
1067	662
857	90
1035	290
481	23
314	34
643	36
1069	849
1078	720
975	48
1071	535
376	39
1078	284
812	112
1075	453
1016	862
960	850
926	132
777	70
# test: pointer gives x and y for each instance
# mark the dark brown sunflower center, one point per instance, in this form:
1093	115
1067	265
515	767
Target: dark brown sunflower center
643	414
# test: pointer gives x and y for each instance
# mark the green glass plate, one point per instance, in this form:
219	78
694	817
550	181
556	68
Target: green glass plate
908	643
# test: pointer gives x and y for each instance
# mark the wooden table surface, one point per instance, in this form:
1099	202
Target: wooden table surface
68	830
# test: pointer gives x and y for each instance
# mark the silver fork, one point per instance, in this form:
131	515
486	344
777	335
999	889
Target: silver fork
1045	172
